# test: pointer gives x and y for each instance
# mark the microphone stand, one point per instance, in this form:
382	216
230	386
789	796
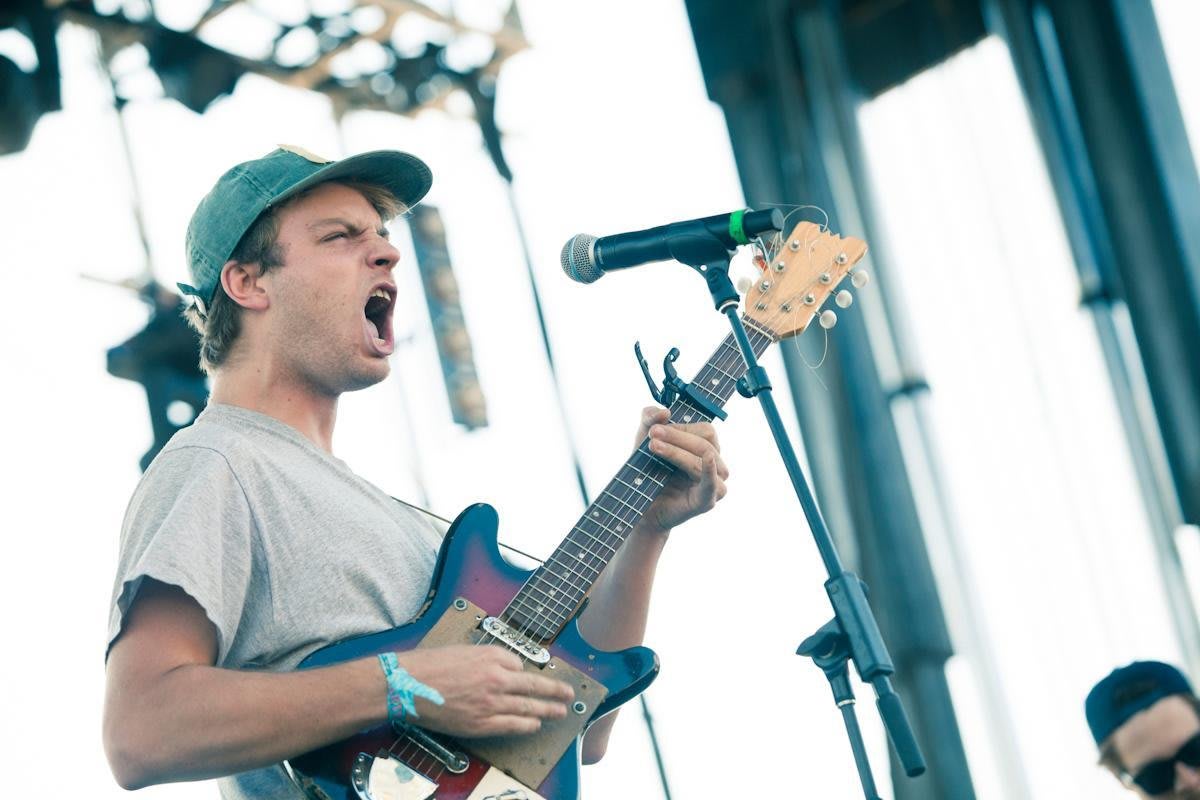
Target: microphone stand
853	633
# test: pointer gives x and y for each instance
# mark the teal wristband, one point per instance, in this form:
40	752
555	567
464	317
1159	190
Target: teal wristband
403	689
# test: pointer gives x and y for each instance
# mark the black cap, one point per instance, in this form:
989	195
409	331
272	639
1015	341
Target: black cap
1128	690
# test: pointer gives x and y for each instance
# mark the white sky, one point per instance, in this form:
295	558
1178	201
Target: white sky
606	131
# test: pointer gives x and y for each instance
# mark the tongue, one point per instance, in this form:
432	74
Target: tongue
374	328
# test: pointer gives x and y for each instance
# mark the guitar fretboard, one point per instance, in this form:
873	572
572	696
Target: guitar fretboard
558	587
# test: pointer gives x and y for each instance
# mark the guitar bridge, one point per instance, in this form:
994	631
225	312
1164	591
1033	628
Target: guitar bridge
515	640
452	760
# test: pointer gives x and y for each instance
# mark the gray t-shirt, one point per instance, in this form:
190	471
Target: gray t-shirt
284	547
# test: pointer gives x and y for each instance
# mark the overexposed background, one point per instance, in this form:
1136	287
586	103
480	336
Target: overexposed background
608	128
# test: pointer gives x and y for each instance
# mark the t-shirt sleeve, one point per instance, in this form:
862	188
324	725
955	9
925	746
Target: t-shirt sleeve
188	524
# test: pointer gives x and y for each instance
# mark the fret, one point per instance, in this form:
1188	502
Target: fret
658	461
633	488
728	375
600	542
563	579
566	583
559	560
601	505
585	551
636	510
521	605
643	474
685	412
613	533
712	395
547	599
595	521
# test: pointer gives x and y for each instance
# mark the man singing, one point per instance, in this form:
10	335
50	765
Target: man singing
248	545
1144	718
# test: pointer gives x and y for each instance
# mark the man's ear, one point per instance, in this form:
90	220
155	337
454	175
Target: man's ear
243	283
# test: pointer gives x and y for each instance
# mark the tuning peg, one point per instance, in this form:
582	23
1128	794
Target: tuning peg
859	278
843	298
743	285
828	319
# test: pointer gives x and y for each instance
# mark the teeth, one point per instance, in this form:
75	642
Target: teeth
382	293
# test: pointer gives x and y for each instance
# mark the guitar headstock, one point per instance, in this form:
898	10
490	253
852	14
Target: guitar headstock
798	279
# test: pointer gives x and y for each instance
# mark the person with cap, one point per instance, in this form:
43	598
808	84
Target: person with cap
247	545
1145	719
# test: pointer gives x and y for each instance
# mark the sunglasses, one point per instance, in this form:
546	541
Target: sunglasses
1158	777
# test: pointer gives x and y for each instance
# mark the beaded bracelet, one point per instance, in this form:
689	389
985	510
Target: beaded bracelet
403	689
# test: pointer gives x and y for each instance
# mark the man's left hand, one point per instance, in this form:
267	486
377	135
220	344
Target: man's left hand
698	483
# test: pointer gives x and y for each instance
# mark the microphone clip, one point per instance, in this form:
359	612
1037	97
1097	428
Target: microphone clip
673	387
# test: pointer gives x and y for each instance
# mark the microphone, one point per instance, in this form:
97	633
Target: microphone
585	258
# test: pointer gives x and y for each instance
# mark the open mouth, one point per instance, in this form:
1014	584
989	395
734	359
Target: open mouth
378	314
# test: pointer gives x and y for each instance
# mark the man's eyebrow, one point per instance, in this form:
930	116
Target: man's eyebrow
381	230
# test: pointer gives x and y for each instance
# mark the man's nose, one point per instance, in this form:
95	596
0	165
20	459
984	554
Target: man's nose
384	254
1186	777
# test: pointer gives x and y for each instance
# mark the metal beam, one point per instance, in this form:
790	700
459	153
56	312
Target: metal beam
778	70
1105	112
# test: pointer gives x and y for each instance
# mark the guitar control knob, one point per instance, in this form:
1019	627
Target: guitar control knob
828	319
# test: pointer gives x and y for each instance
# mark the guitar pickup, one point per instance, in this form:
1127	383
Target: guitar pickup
515	640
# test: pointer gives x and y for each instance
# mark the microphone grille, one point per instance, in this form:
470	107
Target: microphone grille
579	259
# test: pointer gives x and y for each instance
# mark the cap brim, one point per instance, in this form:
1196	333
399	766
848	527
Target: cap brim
403	174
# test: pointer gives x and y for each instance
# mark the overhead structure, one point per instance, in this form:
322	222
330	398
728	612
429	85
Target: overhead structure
400	56
27	93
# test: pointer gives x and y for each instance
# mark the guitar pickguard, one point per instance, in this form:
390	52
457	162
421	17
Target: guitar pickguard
530	758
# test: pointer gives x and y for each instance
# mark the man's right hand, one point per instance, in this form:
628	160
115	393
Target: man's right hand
172	715
486	691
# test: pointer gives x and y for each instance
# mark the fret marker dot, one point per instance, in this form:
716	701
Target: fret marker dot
595	513
687	418
551	592
637	481
619	528
715	381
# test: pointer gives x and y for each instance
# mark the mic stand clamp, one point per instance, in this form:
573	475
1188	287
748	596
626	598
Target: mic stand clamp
830	650
853	633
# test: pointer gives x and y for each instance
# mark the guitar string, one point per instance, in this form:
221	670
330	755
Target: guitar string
544	616
546	619
631	505
623	496
630	508
544	622
720	361
724	359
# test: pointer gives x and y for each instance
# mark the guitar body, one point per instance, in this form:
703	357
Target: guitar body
470	567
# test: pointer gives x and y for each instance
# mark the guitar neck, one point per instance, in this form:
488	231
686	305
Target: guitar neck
557	589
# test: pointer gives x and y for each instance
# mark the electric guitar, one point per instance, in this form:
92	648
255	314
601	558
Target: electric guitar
477	597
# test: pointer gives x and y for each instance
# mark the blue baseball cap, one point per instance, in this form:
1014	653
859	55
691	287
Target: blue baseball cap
248	189
1128	690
